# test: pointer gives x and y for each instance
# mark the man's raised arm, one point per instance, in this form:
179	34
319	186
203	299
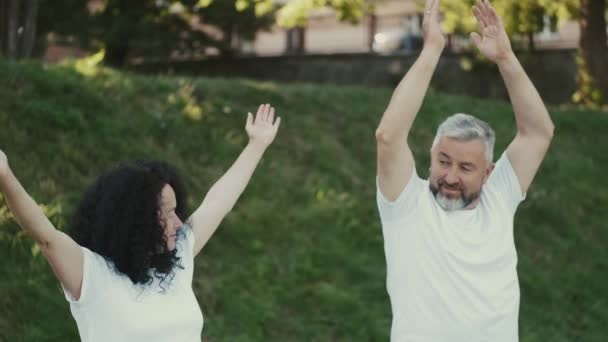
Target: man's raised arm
395	159
534	125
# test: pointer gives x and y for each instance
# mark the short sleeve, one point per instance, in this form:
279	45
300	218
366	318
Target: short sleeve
95	274
185	251
405	202
185	247
186	238
503	180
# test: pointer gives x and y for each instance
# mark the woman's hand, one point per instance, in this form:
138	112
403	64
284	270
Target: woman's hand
264	128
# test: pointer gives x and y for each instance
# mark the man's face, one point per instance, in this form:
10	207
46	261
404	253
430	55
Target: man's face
458	171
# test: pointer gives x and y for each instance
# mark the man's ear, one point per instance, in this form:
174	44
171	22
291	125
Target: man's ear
488	172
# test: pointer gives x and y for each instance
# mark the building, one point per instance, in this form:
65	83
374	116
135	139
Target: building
393	21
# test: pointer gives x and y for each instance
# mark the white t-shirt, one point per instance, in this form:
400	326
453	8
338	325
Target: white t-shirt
112	308
451	276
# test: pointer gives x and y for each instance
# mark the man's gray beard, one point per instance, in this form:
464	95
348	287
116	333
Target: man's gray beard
451	204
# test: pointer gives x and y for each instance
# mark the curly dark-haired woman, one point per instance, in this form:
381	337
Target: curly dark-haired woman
127	269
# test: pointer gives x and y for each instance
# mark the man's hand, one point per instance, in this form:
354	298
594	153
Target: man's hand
264	128
433	38
493	43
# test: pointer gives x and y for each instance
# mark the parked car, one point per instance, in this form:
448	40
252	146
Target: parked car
396	41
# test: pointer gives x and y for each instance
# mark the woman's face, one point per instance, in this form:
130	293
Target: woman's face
168	218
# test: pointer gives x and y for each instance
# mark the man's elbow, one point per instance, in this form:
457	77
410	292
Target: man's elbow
384	137
380	135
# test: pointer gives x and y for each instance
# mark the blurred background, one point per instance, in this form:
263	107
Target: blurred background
86	84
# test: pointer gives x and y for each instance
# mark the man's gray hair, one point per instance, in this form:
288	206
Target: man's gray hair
465	127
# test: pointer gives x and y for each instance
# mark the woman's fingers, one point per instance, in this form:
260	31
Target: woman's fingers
265	114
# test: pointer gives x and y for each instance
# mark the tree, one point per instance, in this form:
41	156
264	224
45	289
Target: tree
29	33
592	57
522	16
238	20
67	19
146	29
159	28
17	27
296	12
126	29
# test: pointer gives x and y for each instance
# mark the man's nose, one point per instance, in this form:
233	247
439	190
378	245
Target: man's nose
451	177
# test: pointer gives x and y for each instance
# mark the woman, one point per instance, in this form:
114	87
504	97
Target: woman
127	269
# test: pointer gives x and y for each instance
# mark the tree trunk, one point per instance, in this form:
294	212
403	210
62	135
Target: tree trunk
531	45
372	28
116	55
29	33
301	40
592	59
3	18
12	28
449	46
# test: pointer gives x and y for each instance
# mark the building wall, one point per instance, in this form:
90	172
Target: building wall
325	34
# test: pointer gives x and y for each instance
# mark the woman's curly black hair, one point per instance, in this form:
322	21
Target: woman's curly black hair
118	218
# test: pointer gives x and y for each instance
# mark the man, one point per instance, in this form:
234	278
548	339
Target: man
451	258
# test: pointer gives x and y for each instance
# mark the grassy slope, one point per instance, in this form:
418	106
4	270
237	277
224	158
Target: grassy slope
300	258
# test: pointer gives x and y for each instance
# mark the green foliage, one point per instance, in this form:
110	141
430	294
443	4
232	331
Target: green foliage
519	16
239	17
261	7
155	28
296	12
587	93
526	17
300	258
458	17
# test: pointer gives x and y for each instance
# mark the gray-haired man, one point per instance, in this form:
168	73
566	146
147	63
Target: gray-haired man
451	259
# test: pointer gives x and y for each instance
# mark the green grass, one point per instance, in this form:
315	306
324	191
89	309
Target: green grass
300	258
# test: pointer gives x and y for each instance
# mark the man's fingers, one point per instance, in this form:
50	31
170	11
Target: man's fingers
483	8
494	15
271	115
430	8
435	6
277	123
431	11
480	19
476	38
488	13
